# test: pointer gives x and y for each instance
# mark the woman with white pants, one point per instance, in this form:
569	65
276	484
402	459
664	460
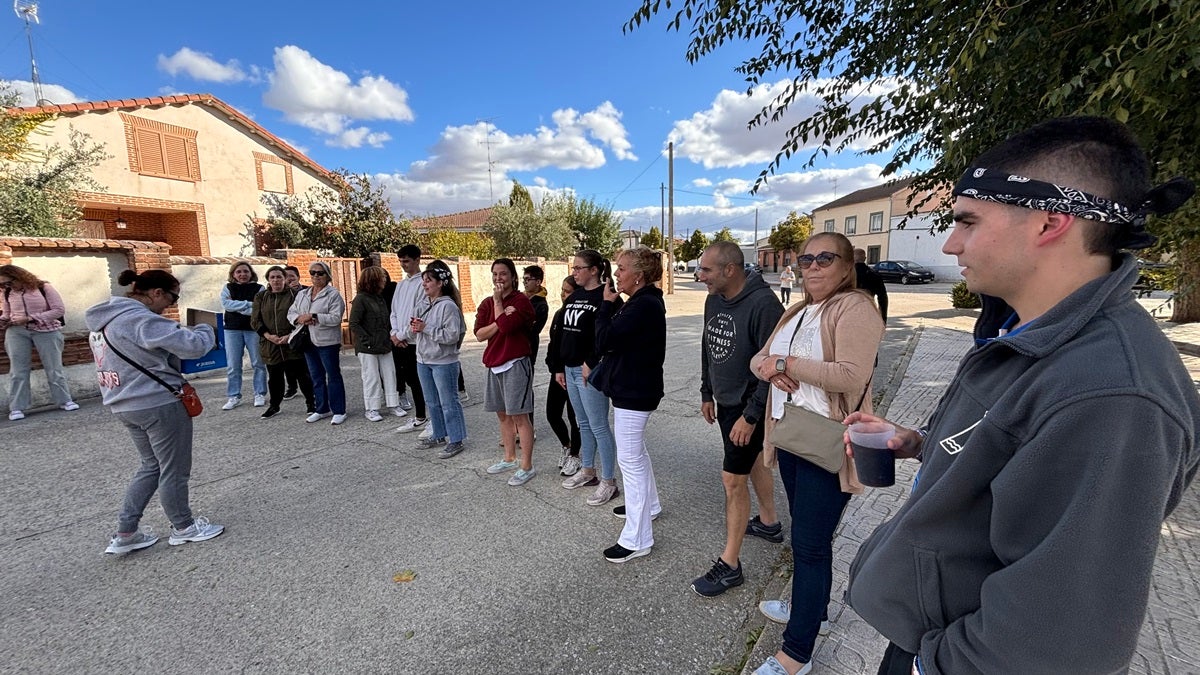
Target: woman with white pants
632	342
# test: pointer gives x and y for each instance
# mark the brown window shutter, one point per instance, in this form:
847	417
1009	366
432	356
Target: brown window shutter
193	158
176	155
150	152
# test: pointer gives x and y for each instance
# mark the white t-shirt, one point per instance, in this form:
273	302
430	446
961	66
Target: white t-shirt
805	345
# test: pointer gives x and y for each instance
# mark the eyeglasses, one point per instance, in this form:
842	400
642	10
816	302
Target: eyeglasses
316	273
174	296
823	259
577	268
529	279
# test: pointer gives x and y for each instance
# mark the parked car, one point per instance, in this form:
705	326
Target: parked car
904	271
753	267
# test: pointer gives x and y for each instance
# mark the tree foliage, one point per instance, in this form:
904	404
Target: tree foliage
519	233
38	185
693	247
519	198
445	242
354	220
935	83
724	235
791	232
594	224
653	239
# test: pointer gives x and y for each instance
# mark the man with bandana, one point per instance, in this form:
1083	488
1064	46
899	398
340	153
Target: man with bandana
1066	437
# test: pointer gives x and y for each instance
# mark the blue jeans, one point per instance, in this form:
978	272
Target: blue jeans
816	501
595	433
325	367
235	342
440	386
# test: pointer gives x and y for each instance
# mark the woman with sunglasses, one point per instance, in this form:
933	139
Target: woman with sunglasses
321	307
819	358
31	311
268	318
156	419
578	357
237	298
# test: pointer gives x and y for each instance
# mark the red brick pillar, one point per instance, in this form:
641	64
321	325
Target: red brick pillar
5	255
464	286
300	258
389	262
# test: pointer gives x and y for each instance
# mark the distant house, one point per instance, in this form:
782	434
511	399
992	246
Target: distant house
465	221
187	170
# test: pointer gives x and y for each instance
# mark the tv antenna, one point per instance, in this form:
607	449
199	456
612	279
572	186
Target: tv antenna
487	141
28	12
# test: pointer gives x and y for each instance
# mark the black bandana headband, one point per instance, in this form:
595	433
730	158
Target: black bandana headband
991	185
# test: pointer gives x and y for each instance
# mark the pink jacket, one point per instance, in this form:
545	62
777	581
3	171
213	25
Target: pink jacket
45	312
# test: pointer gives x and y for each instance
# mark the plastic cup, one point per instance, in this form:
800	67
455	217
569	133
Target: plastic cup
876	465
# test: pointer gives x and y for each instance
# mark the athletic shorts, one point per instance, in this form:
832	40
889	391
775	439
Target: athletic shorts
738	459
510	392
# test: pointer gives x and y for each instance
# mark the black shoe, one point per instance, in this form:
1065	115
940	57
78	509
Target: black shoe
772	533
719	579
619	554
619	512
290	394
270	412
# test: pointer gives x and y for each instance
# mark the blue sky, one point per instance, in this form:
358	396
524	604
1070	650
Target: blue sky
417	95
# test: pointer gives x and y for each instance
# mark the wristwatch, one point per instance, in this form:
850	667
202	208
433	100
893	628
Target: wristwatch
781	365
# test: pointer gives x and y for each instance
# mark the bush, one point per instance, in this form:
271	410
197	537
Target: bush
962	298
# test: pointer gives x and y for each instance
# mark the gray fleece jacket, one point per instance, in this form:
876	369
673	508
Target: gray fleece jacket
445	327
154	342
1028	542
734	330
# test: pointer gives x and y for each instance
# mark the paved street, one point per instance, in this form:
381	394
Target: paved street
508	580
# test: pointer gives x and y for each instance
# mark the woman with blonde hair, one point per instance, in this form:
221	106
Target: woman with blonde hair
31	311
321	307
371	325
820	358
631	340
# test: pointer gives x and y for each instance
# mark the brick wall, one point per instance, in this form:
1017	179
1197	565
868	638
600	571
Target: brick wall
183	225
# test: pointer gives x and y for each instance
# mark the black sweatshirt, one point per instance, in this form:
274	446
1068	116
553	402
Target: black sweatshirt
632	342
578	345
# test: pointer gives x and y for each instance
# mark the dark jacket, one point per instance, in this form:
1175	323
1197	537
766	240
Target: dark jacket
1027	544
734	331
870	281
370	324
269	315
553	359
541	312
632	342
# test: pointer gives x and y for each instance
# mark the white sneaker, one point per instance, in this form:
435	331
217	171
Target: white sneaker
199	530
464	396
16	415
405	401
233	402
373	416
259	400
338	419
317	417
411	425
399	411
69	406
428	433
780	611
571	466
143	538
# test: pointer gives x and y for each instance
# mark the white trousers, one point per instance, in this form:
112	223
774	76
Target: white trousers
378	380
641	492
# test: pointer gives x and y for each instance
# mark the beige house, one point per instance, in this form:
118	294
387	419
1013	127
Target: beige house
865	216
187	170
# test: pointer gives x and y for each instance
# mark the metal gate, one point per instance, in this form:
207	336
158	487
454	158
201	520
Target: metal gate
344	277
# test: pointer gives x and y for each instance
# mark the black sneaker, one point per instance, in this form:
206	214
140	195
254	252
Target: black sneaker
772	533
290	394
719	579
270	412
619	511
619	554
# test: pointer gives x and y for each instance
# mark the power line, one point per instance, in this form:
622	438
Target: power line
643	173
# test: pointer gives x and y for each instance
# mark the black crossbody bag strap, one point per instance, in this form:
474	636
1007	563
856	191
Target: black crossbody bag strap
147	373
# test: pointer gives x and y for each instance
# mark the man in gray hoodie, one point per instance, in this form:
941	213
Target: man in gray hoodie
1065	438
739	315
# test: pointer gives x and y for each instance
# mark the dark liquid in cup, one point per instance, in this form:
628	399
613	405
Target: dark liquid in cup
876	466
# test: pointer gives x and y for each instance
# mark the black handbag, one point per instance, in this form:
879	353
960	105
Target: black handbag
300	339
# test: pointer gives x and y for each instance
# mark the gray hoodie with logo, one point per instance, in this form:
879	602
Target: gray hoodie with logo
1028	542
734	331
154	342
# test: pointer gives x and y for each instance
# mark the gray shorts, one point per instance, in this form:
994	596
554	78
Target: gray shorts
510	392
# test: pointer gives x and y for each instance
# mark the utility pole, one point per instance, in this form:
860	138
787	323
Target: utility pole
671	216
756	236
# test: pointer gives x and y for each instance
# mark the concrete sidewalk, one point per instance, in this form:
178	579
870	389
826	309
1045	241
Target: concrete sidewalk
1170	639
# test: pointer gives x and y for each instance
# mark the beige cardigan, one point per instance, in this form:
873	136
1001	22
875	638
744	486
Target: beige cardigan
851	329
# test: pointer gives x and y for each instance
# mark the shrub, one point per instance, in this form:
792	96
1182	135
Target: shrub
962	298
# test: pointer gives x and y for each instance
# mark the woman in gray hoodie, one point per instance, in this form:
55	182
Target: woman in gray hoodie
131	330
439	326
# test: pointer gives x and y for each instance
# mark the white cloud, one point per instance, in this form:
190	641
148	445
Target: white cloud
319	97
200	66
719	136
53	93
702	182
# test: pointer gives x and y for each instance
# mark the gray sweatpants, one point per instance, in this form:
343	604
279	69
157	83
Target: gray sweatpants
163	437
20	342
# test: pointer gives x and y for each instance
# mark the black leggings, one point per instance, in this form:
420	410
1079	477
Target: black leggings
556	400
406	372
896	661
294	370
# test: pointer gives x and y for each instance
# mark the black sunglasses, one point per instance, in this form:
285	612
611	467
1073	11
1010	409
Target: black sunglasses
823	259
316	273
174	296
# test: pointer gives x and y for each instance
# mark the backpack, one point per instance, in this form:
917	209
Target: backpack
62	319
